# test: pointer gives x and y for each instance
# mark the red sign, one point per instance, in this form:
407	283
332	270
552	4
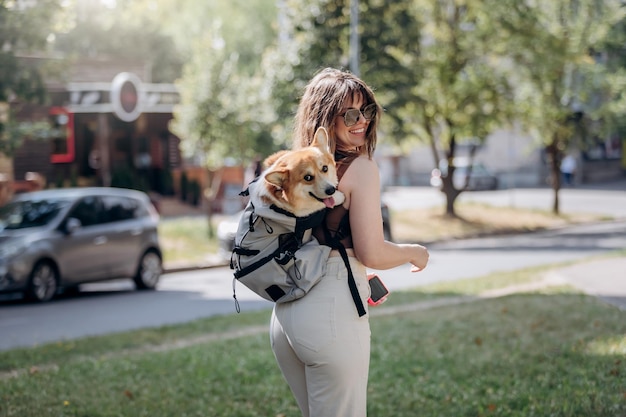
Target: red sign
63	146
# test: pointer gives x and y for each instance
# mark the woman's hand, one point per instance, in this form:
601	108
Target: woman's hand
420	257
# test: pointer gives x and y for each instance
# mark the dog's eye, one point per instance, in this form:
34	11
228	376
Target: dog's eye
308	177
325	168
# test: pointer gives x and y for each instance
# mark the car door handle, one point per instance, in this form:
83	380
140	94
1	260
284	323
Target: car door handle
135	232
100	240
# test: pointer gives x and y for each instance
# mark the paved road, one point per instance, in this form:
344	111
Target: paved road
184	296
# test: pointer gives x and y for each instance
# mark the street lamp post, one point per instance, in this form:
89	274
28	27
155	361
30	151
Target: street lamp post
354	37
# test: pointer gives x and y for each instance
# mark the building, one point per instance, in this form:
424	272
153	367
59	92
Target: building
112	129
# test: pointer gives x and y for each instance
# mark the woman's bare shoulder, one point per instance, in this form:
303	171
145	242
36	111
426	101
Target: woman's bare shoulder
362	171
363	164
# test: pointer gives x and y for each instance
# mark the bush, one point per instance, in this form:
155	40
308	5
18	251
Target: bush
184	186
194	190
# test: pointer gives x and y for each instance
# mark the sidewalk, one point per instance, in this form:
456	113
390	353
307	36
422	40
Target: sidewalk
603	278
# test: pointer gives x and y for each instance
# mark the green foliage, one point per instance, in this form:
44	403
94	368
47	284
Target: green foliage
110	32
74	176
128	178
13	133
184	186
615	77
428	61
59	181
226	109
556	55
194	192
23	29
569	93
166	182
450	70
436	65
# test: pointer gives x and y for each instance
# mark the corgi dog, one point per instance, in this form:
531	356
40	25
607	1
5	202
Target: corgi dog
301	181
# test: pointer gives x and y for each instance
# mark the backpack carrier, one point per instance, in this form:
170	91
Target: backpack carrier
275	254
277	257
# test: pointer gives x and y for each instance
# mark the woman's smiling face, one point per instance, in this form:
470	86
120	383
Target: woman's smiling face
350	138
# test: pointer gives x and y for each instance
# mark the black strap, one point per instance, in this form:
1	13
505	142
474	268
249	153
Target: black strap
245	271
288	244
335	243
351	282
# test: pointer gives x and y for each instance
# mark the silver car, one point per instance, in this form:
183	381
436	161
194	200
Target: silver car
58	239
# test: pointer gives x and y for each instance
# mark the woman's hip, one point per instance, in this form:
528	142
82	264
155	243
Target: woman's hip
332	289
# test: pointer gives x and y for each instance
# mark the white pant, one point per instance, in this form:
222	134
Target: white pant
322	345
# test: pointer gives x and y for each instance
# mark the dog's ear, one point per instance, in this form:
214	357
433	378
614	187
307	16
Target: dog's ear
277	177
321	139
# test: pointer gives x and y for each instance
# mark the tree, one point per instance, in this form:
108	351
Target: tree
568	94
615	55
225	110
24	28
435	63
124	32
449	70
221	115
462	91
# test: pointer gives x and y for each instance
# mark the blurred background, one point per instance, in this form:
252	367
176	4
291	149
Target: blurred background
181	98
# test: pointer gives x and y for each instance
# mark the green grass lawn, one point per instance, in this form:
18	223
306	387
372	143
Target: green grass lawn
187	239
553	352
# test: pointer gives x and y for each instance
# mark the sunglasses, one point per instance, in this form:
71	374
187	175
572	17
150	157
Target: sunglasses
352	116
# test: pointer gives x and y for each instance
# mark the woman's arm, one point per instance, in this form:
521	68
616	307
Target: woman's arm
361	184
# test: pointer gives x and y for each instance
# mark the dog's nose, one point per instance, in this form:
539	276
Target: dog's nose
330	190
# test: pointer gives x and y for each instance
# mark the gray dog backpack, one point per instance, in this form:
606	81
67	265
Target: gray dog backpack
275	254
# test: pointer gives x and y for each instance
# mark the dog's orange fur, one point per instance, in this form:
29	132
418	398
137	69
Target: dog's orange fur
302	181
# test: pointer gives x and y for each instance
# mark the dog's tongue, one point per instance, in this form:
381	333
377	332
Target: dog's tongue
330	202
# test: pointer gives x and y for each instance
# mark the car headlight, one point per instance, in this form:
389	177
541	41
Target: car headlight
12	248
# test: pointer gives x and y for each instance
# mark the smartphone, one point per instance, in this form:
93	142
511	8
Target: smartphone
378	292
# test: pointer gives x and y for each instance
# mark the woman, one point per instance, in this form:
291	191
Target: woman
321	343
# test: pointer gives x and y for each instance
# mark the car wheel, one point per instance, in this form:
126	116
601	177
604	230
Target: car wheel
43	283
149	272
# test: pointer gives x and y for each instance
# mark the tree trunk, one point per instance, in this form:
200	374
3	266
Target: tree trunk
554	159
451	194
448	184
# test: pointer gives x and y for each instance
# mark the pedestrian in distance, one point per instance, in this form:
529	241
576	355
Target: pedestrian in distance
322	340
568	169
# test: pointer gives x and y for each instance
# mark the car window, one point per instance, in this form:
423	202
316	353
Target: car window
118	208
27	213
88	211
